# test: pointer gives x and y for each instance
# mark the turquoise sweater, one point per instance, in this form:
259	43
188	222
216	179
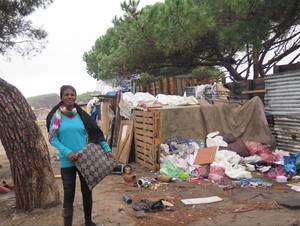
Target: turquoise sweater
71	136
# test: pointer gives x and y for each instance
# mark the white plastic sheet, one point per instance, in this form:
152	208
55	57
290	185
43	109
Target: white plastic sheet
201	200
229	160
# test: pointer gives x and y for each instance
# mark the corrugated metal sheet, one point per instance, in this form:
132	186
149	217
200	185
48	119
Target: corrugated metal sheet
283	93
282	101
287	133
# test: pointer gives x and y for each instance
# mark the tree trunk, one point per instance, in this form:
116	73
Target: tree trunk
27	152
233	73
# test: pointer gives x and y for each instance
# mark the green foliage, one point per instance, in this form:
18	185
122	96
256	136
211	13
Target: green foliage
207	73
178	36
46	101
84	97
17	32
146	79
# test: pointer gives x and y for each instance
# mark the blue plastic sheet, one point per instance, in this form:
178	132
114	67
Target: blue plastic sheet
290	165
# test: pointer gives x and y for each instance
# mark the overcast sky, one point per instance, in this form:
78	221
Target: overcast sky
73	27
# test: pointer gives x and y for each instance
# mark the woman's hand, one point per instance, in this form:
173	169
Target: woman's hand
73	157
109	154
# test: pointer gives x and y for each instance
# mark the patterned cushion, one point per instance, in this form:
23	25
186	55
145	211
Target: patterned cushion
93	164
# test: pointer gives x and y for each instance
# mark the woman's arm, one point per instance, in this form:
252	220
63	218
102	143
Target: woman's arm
55	142
59	146
105	146
106	149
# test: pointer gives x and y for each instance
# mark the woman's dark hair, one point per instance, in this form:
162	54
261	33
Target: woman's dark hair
64	88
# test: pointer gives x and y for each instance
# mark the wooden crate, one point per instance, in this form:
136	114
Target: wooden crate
153	128
146	138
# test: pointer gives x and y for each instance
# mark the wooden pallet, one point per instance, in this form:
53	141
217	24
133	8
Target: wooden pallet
146	138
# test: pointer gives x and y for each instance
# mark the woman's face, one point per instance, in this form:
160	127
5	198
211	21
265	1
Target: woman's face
68	99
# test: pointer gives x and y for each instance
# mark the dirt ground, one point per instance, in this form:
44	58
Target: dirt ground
239	206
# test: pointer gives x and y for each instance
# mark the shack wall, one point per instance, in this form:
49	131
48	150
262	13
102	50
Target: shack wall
183	121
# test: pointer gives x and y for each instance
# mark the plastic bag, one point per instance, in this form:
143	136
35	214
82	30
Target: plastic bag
169	169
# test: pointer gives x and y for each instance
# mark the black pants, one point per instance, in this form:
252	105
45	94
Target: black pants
68	176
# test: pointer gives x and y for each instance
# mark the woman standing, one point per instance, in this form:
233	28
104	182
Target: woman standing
70	128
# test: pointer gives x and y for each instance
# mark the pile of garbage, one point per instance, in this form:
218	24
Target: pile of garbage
233	159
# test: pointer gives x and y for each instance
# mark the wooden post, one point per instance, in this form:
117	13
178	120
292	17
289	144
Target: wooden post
117	121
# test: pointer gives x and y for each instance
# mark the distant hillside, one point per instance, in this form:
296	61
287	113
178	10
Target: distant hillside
47	101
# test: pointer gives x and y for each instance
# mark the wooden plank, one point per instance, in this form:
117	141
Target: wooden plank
144	144
156	124
158	87
142	151
140	128
147	147
144	120
145	136
144	89
140	134
172	86
179	87
124	141
148	157
146	164
144	139
148	88
141	143
157	141
144	157
153	90
145	127
143	114
165	86
254	91
145	131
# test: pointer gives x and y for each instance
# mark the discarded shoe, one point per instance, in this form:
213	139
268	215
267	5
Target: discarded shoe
138	206
153	206
147	205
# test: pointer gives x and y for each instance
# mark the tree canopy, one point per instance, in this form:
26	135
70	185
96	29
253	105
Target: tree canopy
240	37
17	33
